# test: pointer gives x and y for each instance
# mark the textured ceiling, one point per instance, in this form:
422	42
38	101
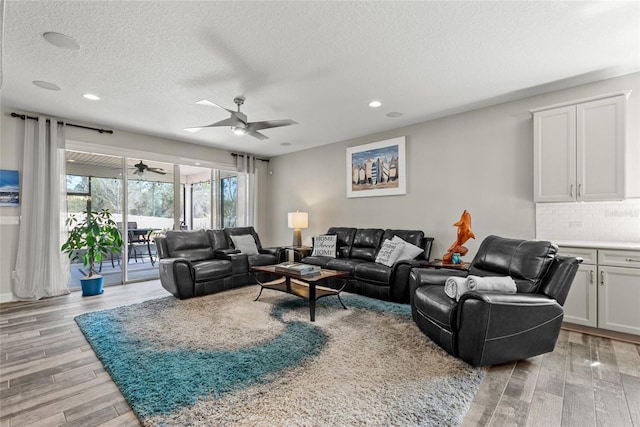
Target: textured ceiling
318	63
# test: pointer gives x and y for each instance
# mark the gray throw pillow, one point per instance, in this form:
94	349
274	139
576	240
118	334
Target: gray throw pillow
409	251
245	243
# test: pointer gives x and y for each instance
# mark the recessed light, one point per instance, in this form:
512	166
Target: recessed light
394	114
46	85
286	144
375	104
192	130
197	163
61	40
91	96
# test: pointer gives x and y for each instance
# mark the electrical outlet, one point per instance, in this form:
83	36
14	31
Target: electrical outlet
575	224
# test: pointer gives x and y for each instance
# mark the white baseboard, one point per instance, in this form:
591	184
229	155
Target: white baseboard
7	297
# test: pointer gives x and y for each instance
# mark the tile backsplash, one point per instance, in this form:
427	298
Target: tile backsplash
591	221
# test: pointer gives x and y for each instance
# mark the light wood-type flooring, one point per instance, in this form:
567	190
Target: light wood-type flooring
49	375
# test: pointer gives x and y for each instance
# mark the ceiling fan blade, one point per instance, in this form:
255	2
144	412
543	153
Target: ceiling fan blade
157	170
269	124
231	121
213	104
193	130
257	134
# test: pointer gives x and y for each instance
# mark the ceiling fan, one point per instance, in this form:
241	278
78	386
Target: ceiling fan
141	168
238	121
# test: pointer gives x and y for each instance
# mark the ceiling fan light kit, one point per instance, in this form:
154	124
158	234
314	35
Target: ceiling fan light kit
238	121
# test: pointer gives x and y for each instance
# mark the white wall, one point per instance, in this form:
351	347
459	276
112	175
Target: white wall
481	161
120	143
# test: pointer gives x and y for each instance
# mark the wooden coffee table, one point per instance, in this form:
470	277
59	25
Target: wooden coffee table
304	287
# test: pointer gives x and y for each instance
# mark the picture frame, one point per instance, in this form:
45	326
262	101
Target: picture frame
9	188
377	169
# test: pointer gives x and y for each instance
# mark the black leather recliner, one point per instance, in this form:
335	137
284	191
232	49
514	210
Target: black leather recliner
488	328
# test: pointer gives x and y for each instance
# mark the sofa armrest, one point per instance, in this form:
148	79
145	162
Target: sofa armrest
224	253
494	328
275	250
399	281
431	276
177	277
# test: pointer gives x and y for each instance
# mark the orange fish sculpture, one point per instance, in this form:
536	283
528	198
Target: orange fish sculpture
464	234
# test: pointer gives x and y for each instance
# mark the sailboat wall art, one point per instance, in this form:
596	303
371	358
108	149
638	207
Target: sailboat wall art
377	169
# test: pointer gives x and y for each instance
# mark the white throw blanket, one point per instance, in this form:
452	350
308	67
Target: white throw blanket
454	287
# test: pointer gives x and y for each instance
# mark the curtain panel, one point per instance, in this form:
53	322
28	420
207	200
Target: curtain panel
245	211
41	269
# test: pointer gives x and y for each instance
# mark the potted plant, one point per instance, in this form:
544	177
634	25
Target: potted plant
91	239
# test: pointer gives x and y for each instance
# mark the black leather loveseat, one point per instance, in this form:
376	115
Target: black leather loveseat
356	253
199	262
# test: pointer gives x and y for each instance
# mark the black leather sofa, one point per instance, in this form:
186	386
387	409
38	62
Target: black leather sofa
488	328
356	253
199	262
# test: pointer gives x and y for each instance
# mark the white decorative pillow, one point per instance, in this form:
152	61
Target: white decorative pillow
389	252
409	251
245	243
325	245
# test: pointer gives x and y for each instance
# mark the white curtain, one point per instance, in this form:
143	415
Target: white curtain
42	270
246	191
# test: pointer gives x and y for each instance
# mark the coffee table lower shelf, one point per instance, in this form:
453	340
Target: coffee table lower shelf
303	287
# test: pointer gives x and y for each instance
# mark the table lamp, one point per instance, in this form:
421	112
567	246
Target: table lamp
297	221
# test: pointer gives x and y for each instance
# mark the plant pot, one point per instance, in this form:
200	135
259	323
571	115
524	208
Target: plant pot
92	286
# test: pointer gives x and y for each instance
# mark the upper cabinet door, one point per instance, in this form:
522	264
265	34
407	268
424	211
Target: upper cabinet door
600	149
554	157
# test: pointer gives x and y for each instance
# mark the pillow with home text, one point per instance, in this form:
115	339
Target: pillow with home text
389	253
325	245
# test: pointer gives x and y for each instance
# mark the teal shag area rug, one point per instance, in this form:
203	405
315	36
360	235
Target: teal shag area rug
227	360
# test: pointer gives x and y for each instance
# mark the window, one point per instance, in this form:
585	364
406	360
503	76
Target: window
228	201
78	193
201	205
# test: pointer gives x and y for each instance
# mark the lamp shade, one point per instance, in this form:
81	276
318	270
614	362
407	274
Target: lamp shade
298	220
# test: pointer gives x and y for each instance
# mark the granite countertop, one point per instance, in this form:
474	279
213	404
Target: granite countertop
598	245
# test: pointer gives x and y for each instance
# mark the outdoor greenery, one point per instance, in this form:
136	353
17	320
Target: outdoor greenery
229	201
148	198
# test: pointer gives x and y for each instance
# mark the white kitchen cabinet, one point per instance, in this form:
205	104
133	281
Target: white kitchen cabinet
579	151
581	306
606	291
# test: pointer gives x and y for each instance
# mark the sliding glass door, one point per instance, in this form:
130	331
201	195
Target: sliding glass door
197	203
141	195
150	211
94	182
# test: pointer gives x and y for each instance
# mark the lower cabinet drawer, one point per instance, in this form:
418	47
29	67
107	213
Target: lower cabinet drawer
630	259
589	256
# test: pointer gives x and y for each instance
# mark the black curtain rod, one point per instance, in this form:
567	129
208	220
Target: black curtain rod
24	117
243	155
